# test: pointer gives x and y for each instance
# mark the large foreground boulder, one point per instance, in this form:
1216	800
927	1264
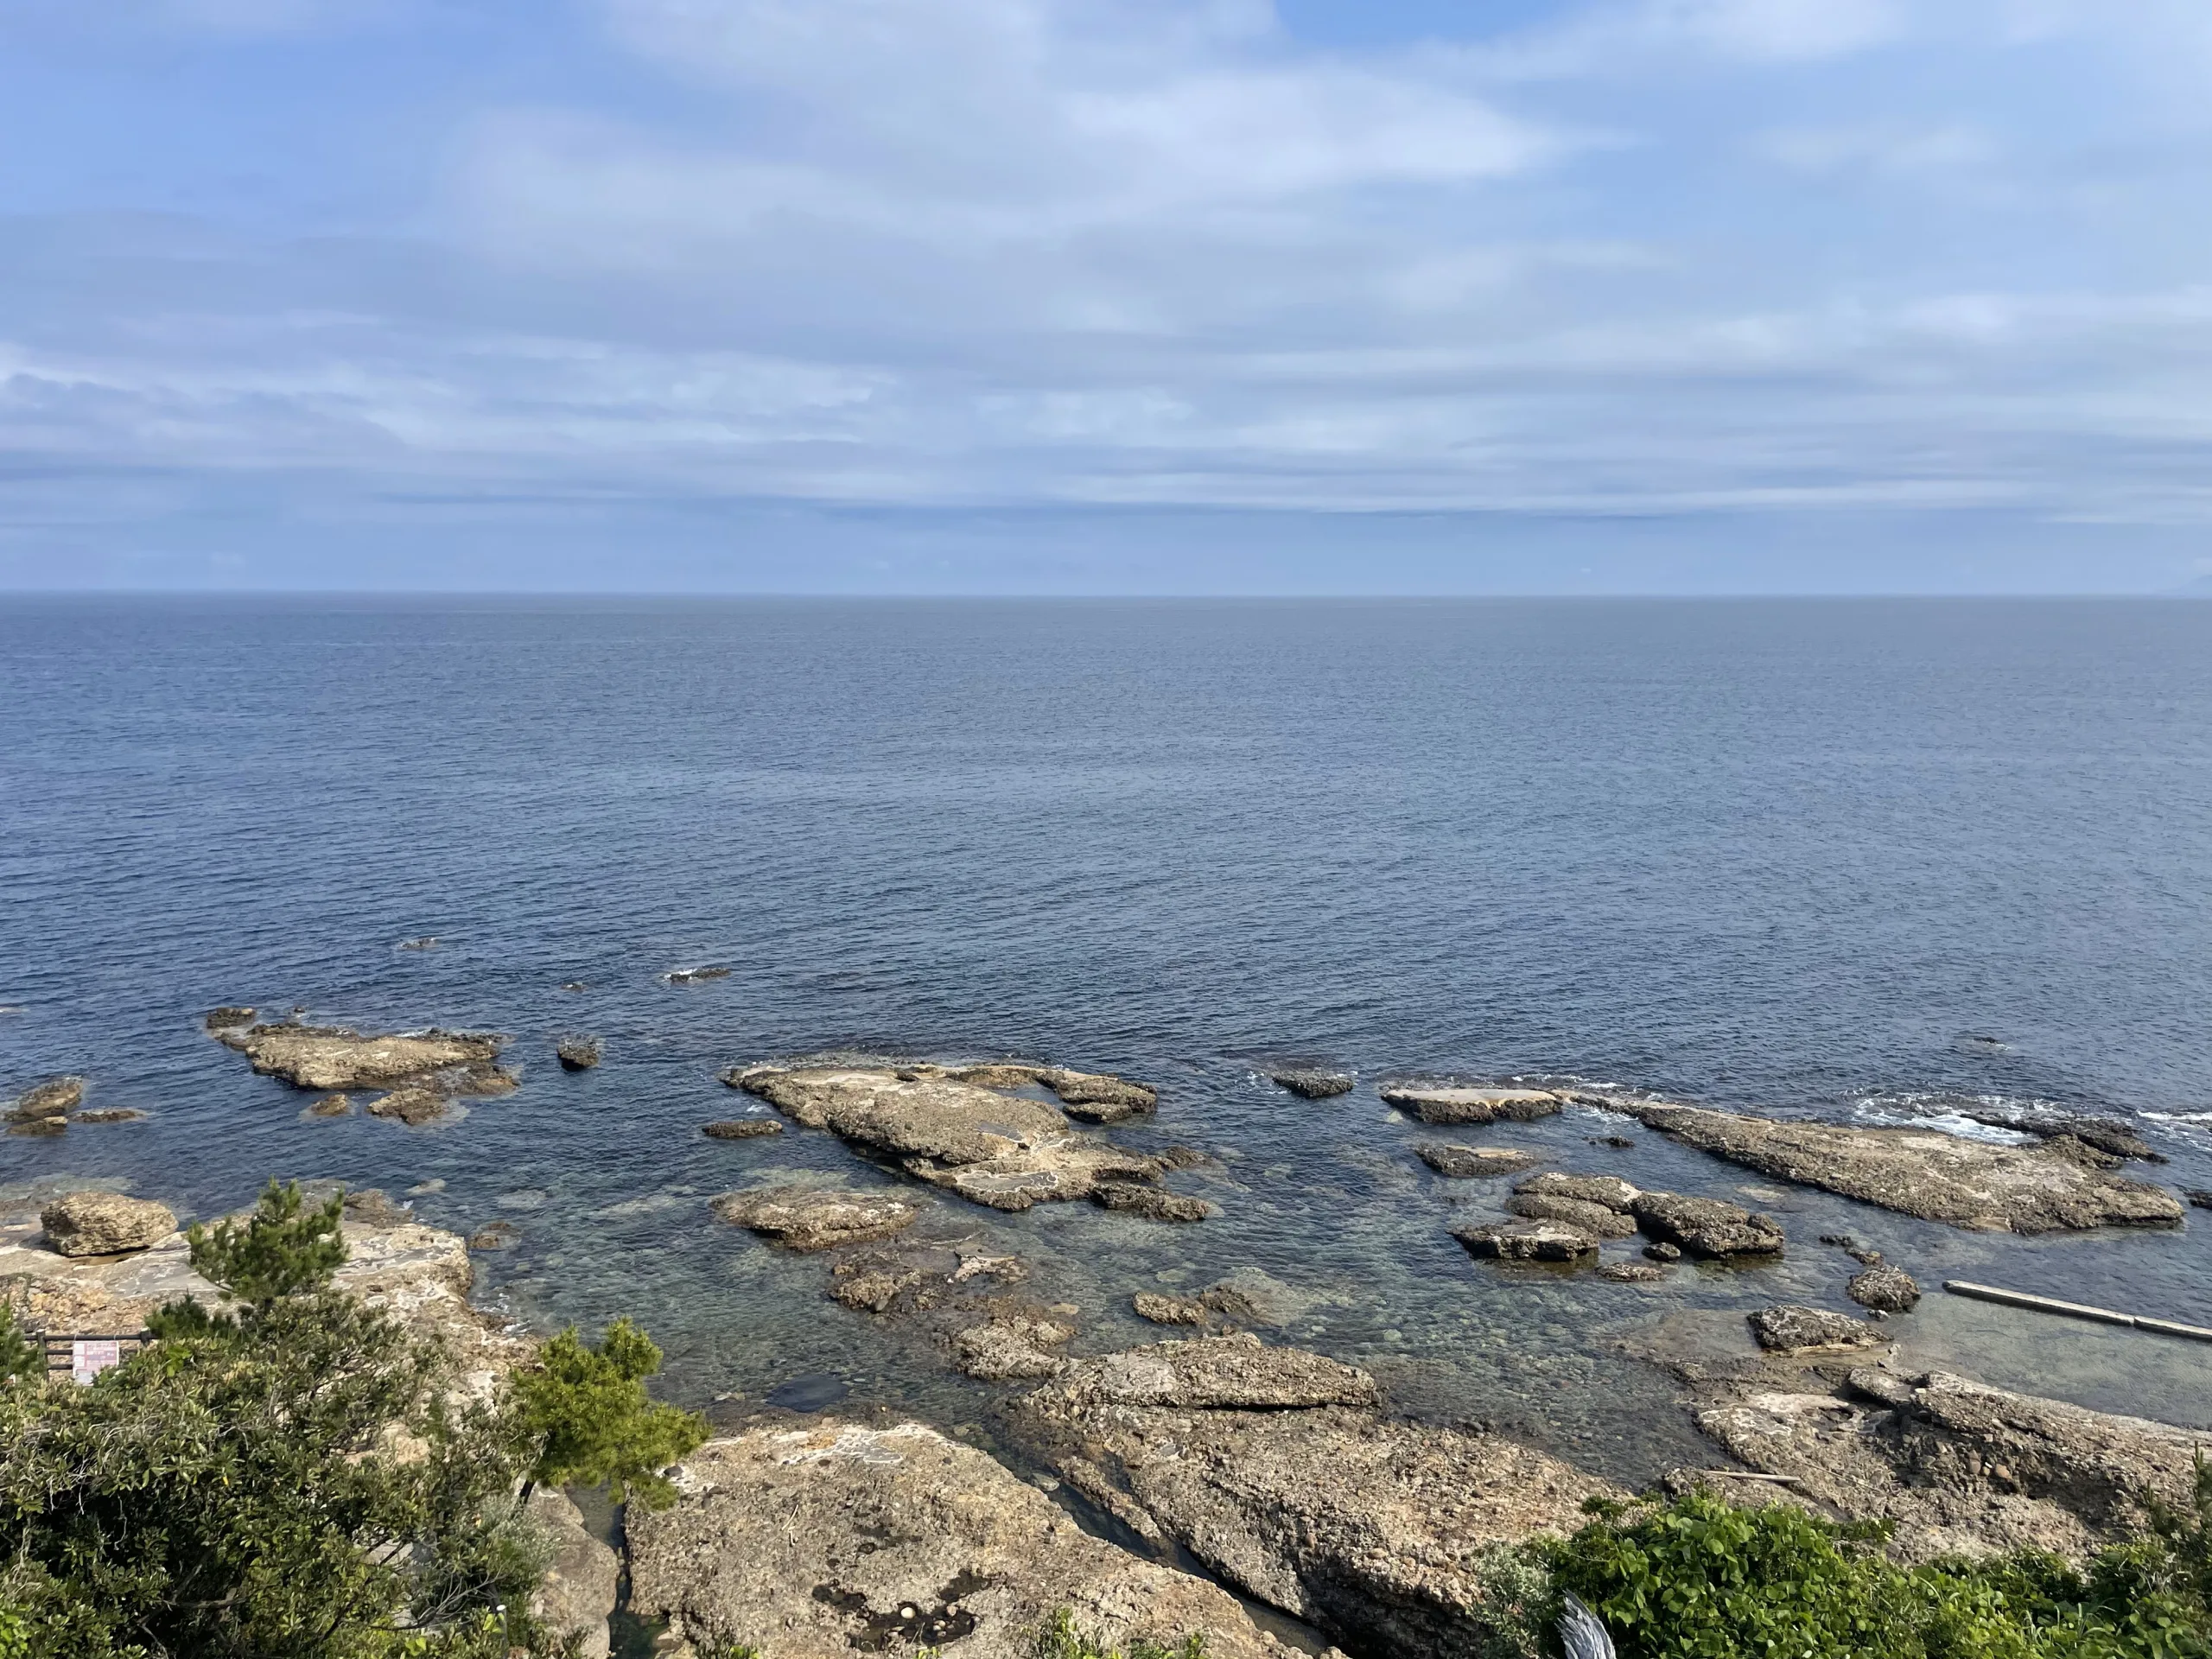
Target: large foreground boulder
1276	1470
1007	1151
1957	1466
334	1057
104	1223
2063	1184
824	1541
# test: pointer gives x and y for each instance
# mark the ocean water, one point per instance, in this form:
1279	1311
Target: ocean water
1796	857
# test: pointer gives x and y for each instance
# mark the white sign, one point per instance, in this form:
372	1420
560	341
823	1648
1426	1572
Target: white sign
88	1359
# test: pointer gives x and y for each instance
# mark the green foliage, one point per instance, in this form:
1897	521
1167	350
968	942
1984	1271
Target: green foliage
284	1249
1700	1579
14	1635
587	1412
19	1358
1061	1638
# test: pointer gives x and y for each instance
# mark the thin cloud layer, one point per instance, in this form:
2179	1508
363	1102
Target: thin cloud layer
1661	256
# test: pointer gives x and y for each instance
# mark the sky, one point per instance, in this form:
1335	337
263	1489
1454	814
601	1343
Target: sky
1107	296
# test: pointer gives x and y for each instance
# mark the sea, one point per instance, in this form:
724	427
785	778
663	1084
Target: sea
1864	861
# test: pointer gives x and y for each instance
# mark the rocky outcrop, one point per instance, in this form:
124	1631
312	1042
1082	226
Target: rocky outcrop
1526	1240
413	1106
1441	1104
495	1235
222	1019
743	1129
578	1591
113	1114
1275	1470
1474	1163
1610	1190
695	976
1169	1310
104	1223
55	1098
576	1053
1097	1098
990	1147
1598	1220
1884	1288
333	1057
1793	1328
2064	1185
826	1540
1153	1203
1012	1347
816	1219
1314	1082
1708	1227
1956	1466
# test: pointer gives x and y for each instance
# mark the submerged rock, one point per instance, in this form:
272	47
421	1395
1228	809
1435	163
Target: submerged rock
113	1114
1707	1227
1314	1082
1884	1288
333	1057
2199	1196
1795	1329
1925	1173
578	1053
1169	1310
1474	1163
814	1218
1630	1273
1275	1470
1097	1098
1526	1241
104	1223
222	1018
1443	1105
989	1147
413	1106
743	1129
1153	1203
332	1106
695	976
835	1538
1010	1348
57	1124
1956	1466
498	1235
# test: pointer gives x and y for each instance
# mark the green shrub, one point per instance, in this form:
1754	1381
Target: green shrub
586	1411
1060	1637
20	1359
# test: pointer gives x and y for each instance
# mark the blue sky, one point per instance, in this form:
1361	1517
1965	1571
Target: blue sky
1107	295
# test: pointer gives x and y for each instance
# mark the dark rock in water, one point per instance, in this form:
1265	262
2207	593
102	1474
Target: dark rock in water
1596	1219
2059	1185
1096	1098
1313	1082
55	1098
815	1218
1707	1227
1619	1142
1792	1329
1983	1043
1630	1273
373	1207
2199	1196
574	985
1608	1190
1153	1203
113	1114
413	1106
222	1018
1439	1103
332	1106
499	1235
1526	1241
39	1126
1474	1163
811	1392
427	942
1169	1310
743	1128
578	1053
1891	1290
694	975
1662	1251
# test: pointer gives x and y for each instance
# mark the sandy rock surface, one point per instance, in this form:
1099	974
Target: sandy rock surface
823	1542
990	1147
2062	1184
1276	1470
1955	1465
333	1057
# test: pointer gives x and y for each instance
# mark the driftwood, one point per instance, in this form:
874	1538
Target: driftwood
2076	1310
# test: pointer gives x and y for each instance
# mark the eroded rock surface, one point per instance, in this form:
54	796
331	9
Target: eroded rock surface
1314	1082
1443	1104
817	1218
1958	1466
333	1057
743	1129
55	1098
2062	1184
1712	1228
1793	1328
1885	1289
819	1542
104	1223
578	1053
1474	1163
1275	1470
1609	1190
578	1591
1598	1220
1526	1240
1153	1203
990	1147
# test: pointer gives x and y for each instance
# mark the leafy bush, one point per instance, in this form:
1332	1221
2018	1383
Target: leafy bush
299	1478
1700	1579
19	1358
1060	1637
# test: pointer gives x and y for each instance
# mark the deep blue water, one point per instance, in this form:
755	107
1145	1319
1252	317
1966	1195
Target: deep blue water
1779	856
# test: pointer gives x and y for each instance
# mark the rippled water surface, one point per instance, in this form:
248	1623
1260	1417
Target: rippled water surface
1780	856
